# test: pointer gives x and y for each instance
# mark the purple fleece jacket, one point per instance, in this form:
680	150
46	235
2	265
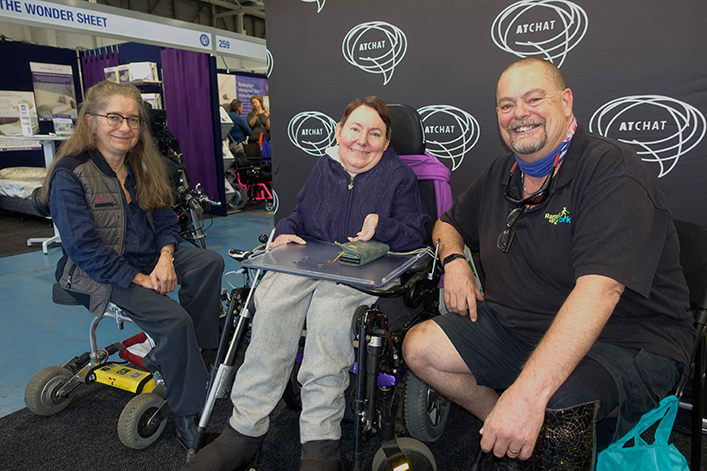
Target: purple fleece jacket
331	206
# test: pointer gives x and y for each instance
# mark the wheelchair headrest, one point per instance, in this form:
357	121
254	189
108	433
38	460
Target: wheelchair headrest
408	134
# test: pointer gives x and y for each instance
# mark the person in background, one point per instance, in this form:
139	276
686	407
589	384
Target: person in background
111	201
258	118
359	190
240	131
584	300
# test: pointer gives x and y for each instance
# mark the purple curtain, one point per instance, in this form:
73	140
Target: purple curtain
187	100
92	64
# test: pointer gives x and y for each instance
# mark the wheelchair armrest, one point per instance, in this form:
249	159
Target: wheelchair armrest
394	291
239	255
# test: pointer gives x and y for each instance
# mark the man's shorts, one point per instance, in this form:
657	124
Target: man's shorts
495	357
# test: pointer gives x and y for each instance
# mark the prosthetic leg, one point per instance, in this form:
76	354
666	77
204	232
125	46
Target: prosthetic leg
567	440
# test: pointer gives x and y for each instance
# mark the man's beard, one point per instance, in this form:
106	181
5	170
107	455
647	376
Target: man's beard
526	146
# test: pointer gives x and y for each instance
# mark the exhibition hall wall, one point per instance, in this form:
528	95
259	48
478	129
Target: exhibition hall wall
16	57
637	70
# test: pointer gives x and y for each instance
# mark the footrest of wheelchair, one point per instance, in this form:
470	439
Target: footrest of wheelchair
124	377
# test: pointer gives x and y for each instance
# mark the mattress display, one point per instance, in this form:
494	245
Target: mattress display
20	182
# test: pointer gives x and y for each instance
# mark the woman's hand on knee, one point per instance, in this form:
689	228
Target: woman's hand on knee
143	280
163	277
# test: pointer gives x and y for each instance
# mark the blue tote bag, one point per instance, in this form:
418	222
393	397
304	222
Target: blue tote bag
643	456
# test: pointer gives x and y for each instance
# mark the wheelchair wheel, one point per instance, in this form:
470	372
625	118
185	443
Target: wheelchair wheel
40	393
273	204
419	457
238	200
133	428
426	411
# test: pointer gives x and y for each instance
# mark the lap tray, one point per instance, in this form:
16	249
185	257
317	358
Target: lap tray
314	260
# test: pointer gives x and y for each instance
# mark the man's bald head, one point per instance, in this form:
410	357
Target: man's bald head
551	71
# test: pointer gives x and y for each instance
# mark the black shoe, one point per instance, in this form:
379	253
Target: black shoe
185	430
150	362
322	455
512	464
230	451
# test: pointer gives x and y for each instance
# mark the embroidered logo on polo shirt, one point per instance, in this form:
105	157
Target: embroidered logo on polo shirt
562	217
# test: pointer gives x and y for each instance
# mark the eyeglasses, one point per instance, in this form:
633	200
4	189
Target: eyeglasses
505	238
116	120
538	196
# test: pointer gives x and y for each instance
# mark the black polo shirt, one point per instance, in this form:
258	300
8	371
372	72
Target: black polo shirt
604	216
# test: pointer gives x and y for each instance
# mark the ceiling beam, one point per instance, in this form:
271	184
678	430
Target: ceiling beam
253	11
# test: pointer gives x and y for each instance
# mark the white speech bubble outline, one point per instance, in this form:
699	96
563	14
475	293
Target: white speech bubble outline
687	117
315	148
384	64
270	62
320	3
454	149
573	16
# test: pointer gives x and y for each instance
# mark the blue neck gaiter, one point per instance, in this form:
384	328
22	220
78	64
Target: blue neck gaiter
544	166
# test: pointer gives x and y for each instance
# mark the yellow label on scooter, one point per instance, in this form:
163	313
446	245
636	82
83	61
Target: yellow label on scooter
125	377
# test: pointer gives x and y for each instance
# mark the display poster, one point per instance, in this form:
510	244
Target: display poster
226	89
246	87
10	123
54	91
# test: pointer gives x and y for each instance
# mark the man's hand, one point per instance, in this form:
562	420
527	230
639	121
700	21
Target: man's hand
368	230
163	277
283	239
513	425
460	290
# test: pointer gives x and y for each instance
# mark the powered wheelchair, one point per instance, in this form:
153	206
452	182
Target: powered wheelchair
385	399
143	419
251	180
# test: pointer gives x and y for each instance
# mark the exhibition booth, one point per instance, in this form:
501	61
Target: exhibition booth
173	65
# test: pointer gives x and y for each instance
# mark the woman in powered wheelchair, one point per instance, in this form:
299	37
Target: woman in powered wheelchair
110	199
358	191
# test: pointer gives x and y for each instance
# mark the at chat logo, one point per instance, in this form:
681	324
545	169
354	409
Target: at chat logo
661	129
320	3
375	47
450	132
546	29
312	132
270	62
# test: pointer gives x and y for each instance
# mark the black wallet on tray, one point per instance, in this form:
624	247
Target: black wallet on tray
361	252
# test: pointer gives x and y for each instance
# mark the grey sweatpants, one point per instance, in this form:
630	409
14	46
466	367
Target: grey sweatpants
283	302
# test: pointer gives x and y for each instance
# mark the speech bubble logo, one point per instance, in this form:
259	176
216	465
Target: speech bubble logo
450	132
673	129
375	47
320	3
546	29
312	132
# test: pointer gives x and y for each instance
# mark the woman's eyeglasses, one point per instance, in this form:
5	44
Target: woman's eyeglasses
115	120
505	238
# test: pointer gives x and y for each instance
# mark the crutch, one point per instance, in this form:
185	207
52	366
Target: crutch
223	377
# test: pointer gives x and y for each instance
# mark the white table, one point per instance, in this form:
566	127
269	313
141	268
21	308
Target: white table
48	142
